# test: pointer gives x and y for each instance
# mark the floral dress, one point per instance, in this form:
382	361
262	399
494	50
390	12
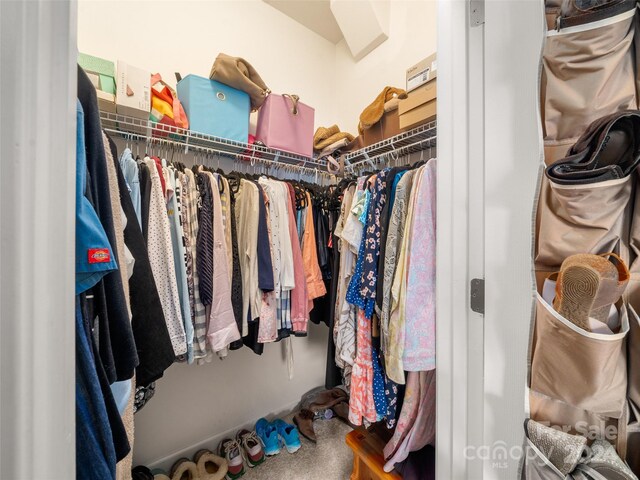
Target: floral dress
361	404
367	383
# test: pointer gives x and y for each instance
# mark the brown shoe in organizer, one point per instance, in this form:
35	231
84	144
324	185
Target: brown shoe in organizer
588	285
304	421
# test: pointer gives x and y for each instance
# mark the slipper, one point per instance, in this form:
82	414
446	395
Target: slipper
160	475
141	473
210	466
184	469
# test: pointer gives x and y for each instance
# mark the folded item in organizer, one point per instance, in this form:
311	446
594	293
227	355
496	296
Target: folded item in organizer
613	321
609	149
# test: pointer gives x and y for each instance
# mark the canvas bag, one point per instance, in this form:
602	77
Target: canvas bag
285	123
240	74
165	107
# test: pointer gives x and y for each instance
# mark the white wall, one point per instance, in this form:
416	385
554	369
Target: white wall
196	406
186	36
412	37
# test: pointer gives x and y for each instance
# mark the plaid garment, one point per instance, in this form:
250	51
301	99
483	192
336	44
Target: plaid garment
198	313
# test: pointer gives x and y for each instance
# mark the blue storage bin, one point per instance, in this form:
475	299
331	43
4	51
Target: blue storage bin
214	108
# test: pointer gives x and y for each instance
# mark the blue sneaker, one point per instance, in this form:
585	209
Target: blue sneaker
288	435
268	435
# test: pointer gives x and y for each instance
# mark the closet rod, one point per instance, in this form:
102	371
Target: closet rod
407	150
245	159
404	139
147	130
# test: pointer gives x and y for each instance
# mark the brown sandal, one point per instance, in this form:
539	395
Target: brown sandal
588	285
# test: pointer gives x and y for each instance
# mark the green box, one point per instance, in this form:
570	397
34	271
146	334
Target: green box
105	71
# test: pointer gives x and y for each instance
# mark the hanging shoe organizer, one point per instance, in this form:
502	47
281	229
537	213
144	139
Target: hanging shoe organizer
582	382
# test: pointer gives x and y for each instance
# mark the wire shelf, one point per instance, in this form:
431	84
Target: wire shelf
152	132
415	140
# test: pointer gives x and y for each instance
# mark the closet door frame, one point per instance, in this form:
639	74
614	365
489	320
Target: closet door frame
489	152
514	38
37	208
460	241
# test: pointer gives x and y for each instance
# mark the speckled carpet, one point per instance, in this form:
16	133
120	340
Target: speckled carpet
329	459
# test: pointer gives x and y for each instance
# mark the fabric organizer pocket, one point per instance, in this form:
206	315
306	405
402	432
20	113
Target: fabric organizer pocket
589	72
633	365
590	218
583	369
576	421
634	243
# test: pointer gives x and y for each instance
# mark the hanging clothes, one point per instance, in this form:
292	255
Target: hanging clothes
174	214
162	260
385	242
117	345
150	332
247	220
222	329
420	347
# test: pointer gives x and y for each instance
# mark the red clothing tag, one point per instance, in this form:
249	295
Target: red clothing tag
99	255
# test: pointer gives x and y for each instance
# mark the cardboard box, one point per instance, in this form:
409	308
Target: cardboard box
422	72
387	127
102	74
419	107
133	95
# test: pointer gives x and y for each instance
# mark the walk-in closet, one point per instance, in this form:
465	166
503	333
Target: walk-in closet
241	271
319	240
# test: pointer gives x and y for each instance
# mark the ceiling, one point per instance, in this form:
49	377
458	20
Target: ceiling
314	14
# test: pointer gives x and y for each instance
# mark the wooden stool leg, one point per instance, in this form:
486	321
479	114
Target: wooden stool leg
355	474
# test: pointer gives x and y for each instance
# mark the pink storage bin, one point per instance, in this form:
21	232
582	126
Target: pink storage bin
285	123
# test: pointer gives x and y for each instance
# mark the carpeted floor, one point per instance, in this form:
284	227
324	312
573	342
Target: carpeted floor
329	459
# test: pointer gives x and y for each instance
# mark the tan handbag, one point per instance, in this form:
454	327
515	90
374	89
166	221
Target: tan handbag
238	73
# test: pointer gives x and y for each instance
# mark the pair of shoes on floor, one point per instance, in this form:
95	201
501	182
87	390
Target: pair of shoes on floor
205	466
276	434
245	449
588	285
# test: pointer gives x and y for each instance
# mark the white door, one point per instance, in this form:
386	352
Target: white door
37	239
489	149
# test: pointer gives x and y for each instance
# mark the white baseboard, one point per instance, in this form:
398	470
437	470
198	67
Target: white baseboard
211	443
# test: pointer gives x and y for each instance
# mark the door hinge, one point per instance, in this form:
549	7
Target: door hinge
476	13
476	295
